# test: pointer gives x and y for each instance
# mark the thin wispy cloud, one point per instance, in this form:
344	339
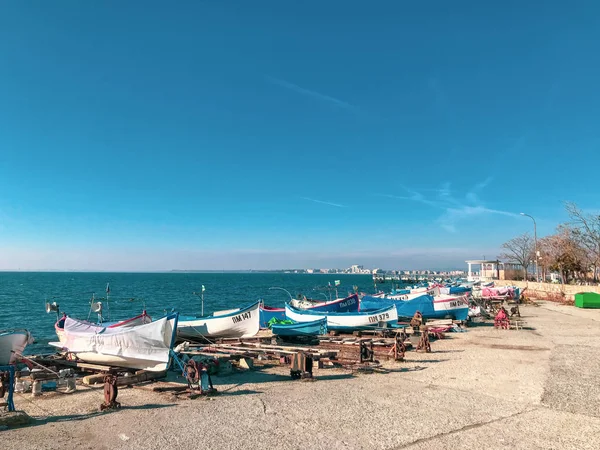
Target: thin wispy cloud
310	93
472	195
337	205
414	196
454	209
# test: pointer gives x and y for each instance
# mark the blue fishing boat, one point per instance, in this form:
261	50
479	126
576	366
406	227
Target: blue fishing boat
441	307
456	290
348	304
314	328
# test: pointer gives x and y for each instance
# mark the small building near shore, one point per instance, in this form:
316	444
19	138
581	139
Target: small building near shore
494	269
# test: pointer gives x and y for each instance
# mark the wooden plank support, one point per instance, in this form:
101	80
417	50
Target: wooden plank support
139	377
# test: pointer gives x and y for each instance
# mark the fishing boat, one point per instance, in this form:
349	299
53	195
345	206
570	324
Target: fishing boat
455	290
241	323
409	294
501	293
13	341
268	313
439	307
346	321
142	347
134	321
314	328
347	304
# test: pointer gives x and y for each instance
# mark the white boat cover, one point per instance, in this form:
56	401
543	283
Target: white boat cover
96	328
144	347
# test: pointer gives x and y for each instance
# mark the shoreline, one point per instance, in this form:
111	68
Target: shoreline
526	389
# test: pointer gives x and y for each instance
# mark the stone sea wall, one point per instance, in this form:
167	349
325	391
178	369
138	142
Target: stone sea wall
563	293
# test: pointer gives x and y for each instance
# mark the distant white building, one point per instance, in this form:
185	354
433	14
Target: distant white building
355	268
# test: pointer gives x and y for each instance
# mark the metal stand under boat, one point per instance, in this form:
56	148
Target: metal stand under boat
110	393
7	386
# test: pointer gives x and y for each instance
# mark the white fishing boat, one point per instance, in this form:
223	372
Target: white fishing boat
240	323
347	304
346	321
143	347
13	341
456	306
134	321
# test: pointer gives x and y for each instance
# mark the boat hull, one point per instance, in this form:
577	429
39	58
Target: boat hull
12	340
133	322
315	328
348	304
239	324
349	321
142	347
268	313
440	307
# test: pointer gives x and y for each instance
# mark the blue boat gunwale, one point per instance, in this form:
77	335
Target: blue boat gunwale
231	314
347	313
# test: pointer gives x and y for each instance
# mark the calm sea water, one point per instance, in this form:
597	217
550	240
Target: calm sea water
23	295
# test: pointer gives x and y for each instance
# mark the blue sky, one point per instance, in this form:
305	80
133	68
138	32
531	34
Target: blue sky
234	134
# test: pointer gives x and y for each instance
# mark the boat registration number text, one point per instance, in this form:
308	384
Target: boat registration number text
348	302
457	303
241	317
379	317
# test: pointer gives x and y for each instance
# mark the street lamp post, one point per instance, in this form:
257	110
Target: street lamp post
537	277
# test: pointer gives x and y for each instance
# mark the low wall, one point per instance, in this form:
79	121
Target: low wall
563	293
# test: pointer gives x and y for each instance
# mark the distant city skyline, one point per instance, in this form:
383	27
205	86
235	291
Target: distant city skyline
259	135
165	260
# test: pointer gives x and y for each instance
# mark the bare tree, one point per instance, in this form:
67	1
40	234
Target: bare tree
586	230
564	254
519	250
546	256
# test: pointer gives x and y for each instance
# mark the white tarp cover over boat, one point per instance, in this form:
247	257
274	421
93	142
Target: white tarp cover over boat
95	327
144	347
12	340
244	322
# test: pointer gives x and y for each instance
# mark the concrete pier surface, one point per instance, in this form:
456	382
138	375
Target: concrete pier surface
486	388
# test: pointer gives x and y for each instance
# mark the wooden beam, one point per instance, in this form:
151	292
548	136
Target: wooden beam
139	377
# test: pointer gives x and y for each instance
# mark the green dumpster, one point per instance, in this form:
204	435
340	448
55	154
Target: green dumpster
587	300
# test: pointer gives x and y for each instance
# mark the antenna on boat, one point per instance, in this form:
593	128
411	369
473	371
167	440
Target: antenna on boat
323	294
107	303
201	295
284	290
337	283
96	307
